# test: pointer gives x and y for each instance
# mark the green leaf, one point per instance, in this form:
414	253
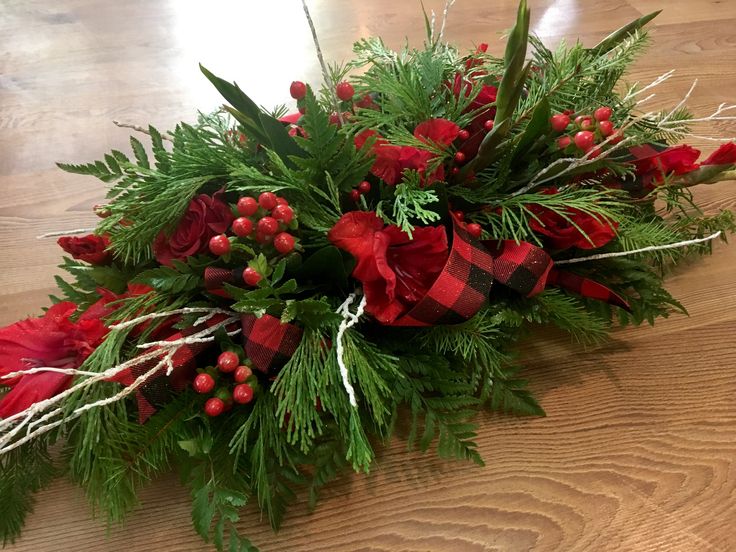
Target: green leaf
511	395
538	126
140	153
169	280
616	37
326	265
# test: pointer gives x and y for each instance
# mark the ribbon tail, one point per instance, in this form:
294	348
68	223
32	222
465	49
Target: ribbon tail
586	287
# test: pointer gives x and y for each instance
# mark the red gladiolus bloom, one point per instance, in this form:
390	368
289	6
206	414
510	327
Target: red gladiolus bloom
675	160
724	155
52	341
206	216
396	271
91	249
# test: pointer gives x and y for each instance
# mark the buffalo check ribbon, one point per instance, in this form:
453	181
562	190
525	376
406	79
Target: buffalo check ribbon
268	342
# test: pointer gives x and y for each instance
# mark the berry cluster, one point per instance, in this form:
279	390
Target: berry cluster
361	189
589	130
344	91
232	377
473	228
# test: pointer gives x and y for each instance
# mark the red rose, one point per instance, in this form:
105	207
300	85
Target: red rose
396	271
91	249
724	155
560	233
675	160
206	216
51	341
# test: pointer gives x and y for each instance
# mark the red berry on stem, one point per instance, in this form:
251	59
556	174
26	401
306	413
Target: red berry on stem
355	195
617	137
459	157
242	373
243	393
587	124
463	134
488	125
283	213
203	383
247	206
298	90
267	200
455	170
364	187
214	407
264	238
284	243
228	361
563	142
251	276
474	229
584	140
606	128
345	91
559	122
268	226
459	215
603	113
281	201
242	227
219	245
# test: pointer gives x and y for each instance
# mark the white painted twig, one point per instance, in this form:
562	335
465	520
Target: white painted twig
348	321
164	135
186	310
632	93
58	233
683	101
448	5
641	250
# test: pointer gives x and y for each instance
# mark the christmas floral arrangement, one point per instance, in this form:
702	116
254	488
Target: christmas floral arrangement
267	296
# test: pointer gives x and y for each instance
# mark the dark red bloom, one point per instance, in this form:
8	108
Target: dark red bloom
439	131
91	249
724	155
675	160
206	216
582	230
50	341
396	271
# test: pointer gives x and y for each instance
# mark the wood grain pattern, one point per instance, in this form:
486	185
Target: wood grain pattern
637	453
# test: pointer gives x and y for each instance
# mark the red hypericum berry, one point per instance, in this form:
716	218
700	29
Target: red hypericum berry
355	195
247	206
606	128
459	215
603	113
214	407
242	227
298	90
584	140
203	383
559	122
579	119
267	200
345	91
281	201
455	170
284	243
283	213
264	238
563	142
459	157
242	373
251	276
102	211
474	229
364	187
243	393
219	245
594	152
463	134
268	226
334	119
488	125
228	361
586	123
617	137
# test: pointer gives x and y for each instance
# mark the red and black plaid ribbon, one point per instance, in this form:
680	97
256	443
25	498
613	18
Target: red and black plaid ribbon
268	342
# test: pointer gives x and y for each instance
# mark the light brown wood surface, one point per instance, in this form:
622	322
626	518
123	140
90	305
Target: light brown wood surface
638	450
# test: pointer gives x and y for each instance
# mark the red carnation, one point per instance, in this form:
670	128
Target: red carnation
675	160
724	155
582	230
206	216
396	271
91	249
439	131
52	340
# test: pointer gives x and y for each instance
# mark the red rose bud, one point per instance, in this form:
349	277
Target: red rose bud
243	393
283	213
203	383
268	226
724	155
242	373
251	276
214	407
228	361
298	90
267	200
563	142
91	249
247	206
284	243
584	140
603	113
606	128
559	122
242	227
219	245
345	91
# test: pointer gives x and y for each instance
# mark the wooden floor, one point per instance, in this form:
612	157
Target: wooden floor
638	451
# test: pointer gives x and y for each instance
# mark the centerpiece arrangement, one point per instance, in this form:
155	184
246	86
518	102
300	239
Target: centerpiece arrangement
267	295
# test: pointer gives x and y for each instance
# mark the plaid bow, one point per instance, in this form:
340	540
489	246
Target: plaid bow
268	342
